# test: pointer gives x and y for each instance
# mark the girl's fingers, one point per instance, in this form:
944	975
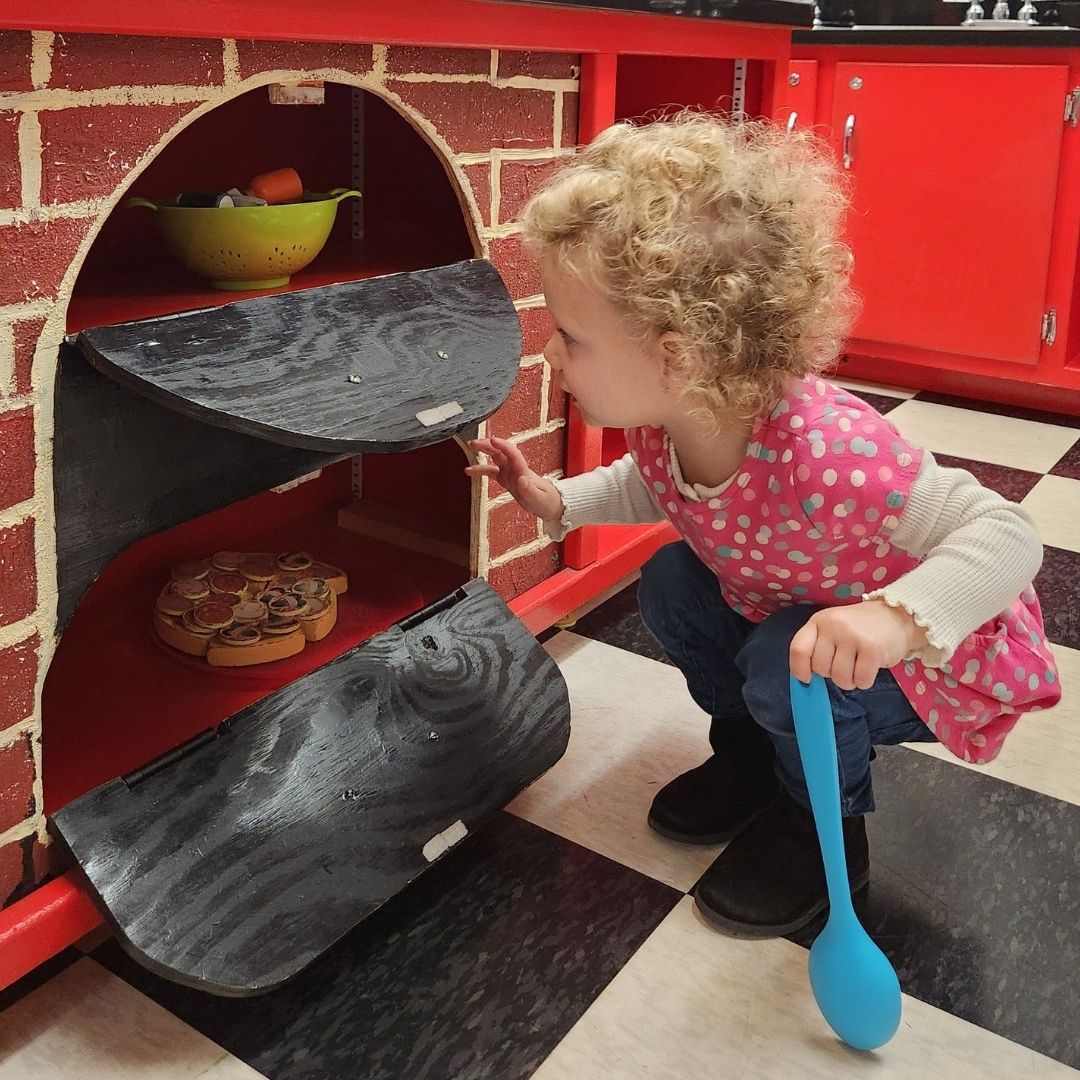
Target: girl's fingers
511	454
843	667
802	649
482	470
866	672
822	659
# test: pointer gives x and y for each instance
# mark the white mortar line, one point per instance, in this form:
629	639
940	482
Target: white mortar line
420	77
16	731
47	100
496	185
500	232
17	632
493	71
30	159
507	153
556	138
230	62
41	54
18	514
26	827
545	391
526	303
378	63
531	548
14	404
528	82
531	361
87	208
7	359
27	309
533	433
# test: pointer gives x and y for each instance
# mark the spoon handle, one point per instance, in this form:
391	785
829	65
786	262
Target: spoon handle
817	748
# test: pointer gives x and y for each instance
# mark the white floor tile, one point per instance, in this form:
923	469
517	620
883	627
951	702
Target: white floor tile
1042	751
1054	503
1002	440
692	1004
634	727
87	1023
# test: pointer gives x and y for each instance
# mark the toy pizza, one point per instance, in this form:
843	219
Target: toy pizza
239	608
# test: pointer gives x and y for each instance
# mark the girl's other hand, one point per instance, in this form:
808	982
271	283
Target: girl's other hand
851	644
508	465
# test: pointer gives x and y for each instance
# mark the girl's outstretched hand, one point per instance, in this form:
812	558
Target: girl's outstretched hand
508	465
851	644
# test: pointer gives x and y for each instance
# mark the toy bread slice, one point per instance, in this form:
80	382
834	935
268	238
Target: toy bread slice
174	633
316	627
334	576
275	647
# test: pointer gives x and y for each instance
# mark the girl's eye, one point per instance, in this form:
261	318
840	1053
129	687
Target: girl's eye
567	339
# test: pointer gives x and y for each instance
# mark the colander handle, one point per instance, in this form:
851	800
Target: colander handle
344	193
138	200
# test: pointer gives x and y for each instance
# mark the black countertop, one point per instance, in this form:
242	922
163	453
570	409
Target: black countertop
782	12
1032	38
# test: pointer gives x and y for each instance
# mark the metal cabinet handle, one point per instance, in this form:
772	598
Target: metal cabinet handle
791	122
849	135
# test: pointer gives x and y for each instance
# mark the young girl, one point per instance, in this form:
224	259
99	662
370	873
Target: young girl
698	285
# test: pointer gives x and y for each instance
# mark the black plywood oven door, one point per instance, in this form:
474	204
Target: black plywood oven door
233	863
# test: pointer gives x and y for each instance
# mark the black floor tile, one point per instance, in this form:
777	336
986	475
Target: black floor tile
617	622
1069	465
1013	484
1058	586
884	403
477	970
975	897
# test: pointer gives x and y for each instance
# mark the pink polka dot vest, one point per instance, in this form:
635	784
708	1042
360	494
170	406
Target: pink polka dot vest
808	520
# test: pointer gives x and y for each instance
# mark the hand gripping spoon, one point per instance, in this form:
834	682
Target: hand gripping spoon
855	985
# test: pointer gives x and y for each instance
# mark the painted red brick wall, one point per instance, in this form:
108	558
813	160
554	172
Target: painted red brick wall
83	111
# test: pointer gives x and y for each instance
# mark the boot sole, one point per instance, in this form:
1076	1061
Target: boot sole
712	838
755	931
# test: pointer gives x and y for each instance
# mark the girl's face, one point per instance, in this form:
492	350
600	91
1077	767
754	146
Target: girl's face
616	380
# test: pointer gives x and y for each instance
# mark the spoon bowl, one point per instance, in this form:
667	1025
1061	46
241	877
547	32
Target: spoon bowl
853	982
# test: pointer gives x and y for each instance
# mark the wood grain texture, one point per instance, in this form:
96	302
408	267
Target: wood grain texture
279	367
125	467
233	867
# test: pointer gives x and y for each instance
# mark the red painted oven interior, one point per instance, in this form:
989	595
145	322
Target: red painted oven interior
411	214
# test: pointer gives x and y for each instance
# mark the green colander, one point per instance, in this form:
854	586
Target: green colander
248	247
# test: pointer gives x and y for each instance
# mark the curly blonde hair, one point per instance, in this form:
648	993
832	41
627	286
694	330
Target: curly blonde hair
726	233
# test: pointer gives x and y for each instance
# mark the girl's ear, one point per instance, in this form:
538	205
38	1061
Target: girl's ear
672	350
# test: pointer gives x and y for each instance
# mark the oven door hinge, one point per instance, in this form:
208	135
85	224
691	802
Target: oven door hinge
1049	327
1072	107
177	753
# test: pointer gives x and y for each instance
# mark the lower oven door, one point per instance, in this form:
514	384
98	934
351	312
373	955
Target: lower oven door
235	860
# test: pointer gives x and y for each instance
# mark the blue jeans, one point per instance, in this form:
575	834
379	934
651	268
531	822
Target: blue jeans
737	671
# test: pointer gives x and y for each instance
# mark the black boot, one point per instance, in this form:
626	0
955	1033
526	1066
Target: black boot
770	880
719	798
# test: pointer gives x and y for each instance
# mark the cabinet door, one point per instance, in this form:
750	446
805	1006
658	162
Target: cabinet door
955	175
799	98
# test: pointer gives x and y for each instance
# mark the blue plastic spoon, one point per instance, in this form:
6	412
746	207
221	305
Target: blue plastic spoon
855	985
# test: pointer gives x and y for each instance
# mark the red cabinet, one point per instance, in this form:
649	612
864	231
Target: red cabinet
798	98
955	172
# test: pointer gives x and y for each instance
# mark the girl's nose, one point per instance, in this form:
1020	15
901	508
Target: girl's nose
552	351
